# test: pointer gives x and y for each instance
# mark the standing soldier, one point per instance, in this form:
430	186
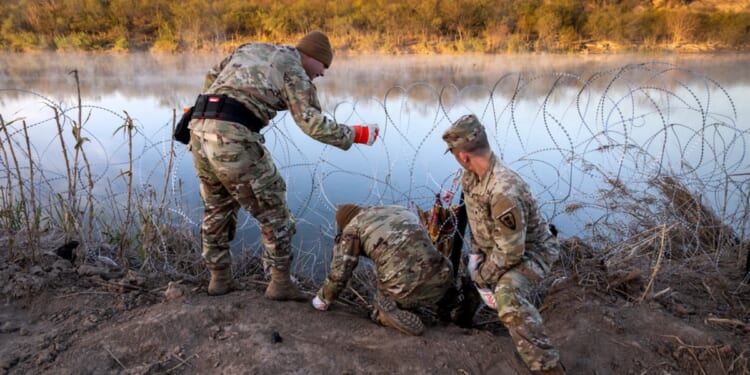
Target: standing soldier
511	244
410	272
241	94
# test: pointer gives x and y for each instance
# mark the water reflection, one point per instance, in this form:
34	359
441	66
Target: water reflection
574	126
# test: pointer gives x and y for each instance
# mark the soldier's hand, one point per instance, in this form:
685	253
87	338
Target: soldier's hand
487	296
366	134
319	305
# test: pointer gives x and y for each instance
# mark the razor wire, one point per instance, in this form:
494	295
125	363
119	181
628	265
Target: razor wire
577	139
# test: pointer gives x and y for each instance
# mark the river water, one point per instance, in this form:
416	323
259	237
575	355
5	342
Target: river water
567	123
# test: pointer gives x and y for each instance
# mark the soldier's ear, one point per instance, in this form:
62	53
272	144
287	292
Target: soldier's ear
464	157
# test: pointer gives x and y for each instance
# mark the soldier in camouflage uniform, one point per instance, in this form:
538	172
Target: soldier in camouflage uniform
511	244
410	271
235	168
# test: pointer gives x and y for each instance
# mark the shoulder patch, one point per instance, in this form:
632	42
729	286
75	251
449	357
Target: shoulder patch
500	205
505	210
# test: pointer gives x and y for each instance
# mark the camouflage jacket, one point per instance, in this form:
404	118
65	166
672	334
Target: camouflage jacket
506	224
398	244
268	78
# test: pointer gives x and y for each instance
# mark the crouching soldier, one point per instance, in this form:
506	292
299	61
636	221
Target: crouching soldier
410	271
512	247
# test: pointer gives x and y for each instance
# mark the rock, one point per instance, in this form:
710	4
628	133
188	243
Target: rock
91	270
63	265
107	261
135	278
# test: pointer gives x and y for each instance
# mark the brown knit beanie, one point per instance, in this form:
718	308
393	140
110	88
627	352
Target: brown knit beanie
316	45
345	213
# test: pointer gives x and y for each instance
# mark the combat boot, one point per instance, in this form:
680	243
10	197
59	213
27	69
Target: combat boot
447	304
282	288
387	313
469	302
221	278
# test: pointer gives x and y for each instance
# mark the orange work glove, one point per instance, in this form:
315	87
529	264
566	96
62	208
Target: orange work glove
366	134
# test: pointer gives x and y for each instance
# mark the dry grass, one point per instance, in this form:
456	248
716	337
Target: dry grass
692	254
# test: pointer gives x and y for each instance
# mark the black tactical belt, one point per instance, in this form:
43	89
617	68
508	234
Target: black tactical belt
222	107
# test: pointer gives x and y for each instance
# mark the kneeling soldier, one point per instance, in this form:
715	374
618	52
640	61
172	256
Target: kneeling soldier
410	271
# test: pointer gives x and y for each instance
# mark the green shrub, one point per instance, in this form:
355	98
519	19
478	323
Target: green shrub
75	42
121	45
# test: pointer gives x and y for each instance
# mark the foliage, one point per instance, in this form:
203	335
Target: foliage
377	25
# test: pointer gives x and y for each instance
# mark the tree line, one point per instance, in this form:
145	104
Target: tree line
383	26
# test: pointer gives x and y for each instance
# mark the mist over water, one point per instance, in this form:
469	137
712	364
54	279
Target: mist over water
566	123
174	78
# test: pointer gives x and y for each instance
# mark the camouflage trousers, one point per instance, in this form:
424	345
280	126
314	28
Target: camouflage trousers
428	288
236	170
521	317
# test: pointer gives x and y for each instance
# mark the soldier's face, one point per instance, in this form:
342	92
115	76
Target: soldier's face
313	68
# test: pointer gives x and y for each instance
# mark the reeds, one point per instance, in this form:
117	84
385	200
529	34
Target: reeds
137	225
23	209
647	229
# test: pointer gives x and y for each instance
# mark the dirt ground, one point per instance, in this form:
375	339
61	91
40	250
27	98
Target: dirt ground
58	317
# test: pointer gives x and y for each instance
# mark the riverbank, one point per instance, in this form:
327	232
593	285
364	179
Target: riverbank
604	316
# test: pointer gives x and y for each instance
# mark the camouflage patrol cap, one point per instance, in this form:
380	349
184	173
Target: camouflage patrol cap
316	45
465	134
